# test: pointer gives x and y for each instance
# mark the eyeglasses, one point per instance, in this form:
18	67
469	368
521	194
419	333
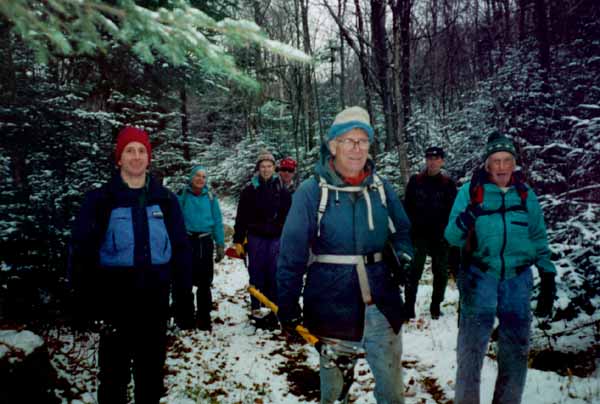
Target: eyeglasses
348	144
287	170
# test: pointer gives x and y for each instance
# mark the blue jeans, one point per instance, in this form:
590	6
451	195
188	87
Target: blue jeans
482	298
262	265
383	350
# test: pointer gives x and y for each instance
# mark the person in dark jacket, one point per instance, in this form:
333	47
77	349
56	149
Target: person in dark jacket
498	222
204	224
261	213
349	299
428	199
128	245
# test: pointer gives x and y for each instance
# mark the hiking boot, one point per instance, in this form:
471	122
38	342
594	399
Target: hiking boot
434	309
203	324
409	312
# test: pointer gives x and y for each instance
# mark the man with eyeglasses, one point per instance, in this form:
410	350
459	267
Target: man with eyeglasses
287	172
336	230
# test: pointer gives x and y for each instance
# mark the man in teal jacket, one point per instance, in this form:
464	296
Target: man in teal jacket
497	220
204	223
349	299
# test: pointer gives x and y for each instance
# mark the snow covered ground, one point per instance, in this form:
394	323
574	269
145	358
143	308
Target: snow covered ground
237	363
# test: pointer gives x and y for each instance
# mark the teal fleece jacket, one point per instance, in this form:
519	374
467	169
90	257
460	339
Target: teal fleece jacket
505	240
202	213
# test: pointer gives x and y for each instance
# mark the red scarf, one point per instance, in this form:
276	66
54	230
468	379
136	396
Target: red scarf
356	180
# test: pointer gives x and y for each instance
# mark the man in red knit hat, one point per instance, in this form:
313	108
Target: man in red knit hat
128	244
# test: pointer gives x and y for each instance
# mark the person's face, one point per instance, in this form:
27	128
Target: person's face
266	169
287	174
434	164
500	167
350	152
134	160
199	180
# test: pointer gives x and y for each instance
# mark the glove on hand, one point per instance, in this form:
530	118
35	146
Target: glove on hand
289	328
468	216
220	253
547	295
239	249
405	262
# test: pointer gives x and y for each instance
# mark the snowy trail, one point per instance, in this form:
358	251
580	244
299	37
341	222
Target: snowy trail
237	363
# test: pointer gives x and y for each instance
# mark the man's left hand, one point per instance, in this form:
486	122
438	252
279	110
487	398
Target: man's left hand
220	253
547	295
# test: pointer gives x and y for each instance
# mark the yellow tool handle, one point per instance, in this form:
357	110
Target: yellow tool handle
304	333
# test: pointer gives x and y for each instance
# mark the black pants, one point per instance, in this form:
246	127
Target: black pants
203	273
136	342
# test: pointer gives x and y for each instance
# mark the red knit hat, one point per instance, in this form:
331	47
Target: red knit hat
288	163
130	134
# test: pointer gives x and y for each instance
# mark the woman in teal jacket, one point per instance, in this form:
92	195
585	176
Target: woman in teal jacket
349	299
497	220
204	223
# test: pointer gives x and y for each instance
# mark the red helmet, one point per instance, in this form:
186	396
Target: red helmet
288	163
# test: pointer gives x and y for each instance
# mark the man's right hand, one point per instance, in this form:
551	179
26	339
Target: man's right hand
289	329
468	216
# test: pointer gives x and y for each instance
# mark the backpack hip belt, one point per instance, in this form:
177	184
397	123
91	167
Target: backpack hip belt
360	261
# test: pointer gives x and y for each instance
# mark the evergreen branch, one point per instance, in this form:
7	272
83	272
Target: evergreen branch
182	35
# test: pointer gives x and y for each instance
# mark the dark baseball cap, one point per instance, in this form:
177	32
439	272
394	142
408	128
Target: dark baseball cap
434	151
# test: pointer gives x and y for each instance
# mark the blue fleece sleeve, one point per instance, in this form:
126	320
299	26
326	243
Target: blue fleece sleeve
455	234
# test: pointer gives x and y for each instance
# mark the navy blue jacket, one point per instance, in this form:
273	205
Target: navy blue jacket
428	201
333	305
128	246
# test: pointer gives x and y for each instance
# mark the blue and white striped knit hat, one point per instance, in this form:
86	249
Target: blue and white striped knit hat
350	118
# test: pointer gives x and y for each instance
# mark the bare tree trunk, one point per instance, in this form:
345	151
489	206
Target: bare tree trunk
541	30
507	24
299	115
379	39
341	12
401	35
184	123
523	5
308	82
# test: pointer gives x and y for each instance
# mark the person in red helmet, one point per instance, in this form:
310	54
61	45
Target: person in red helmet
287	172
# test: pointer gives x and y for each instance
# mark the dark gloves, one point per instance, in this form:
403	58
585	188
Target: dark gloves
466	219
289	329
398	264
220	253
547	295
405	268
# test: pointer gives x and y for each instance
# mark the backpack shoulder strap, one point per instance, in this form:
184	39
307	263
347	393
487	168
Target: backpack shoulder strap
322	203
377	182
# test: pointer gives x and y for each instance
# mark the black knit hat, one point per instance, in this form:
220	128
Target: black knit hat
435	151
497	142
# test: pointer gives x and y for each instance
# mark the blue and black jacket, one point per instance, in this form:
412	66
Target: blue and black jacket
333	306
128	246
